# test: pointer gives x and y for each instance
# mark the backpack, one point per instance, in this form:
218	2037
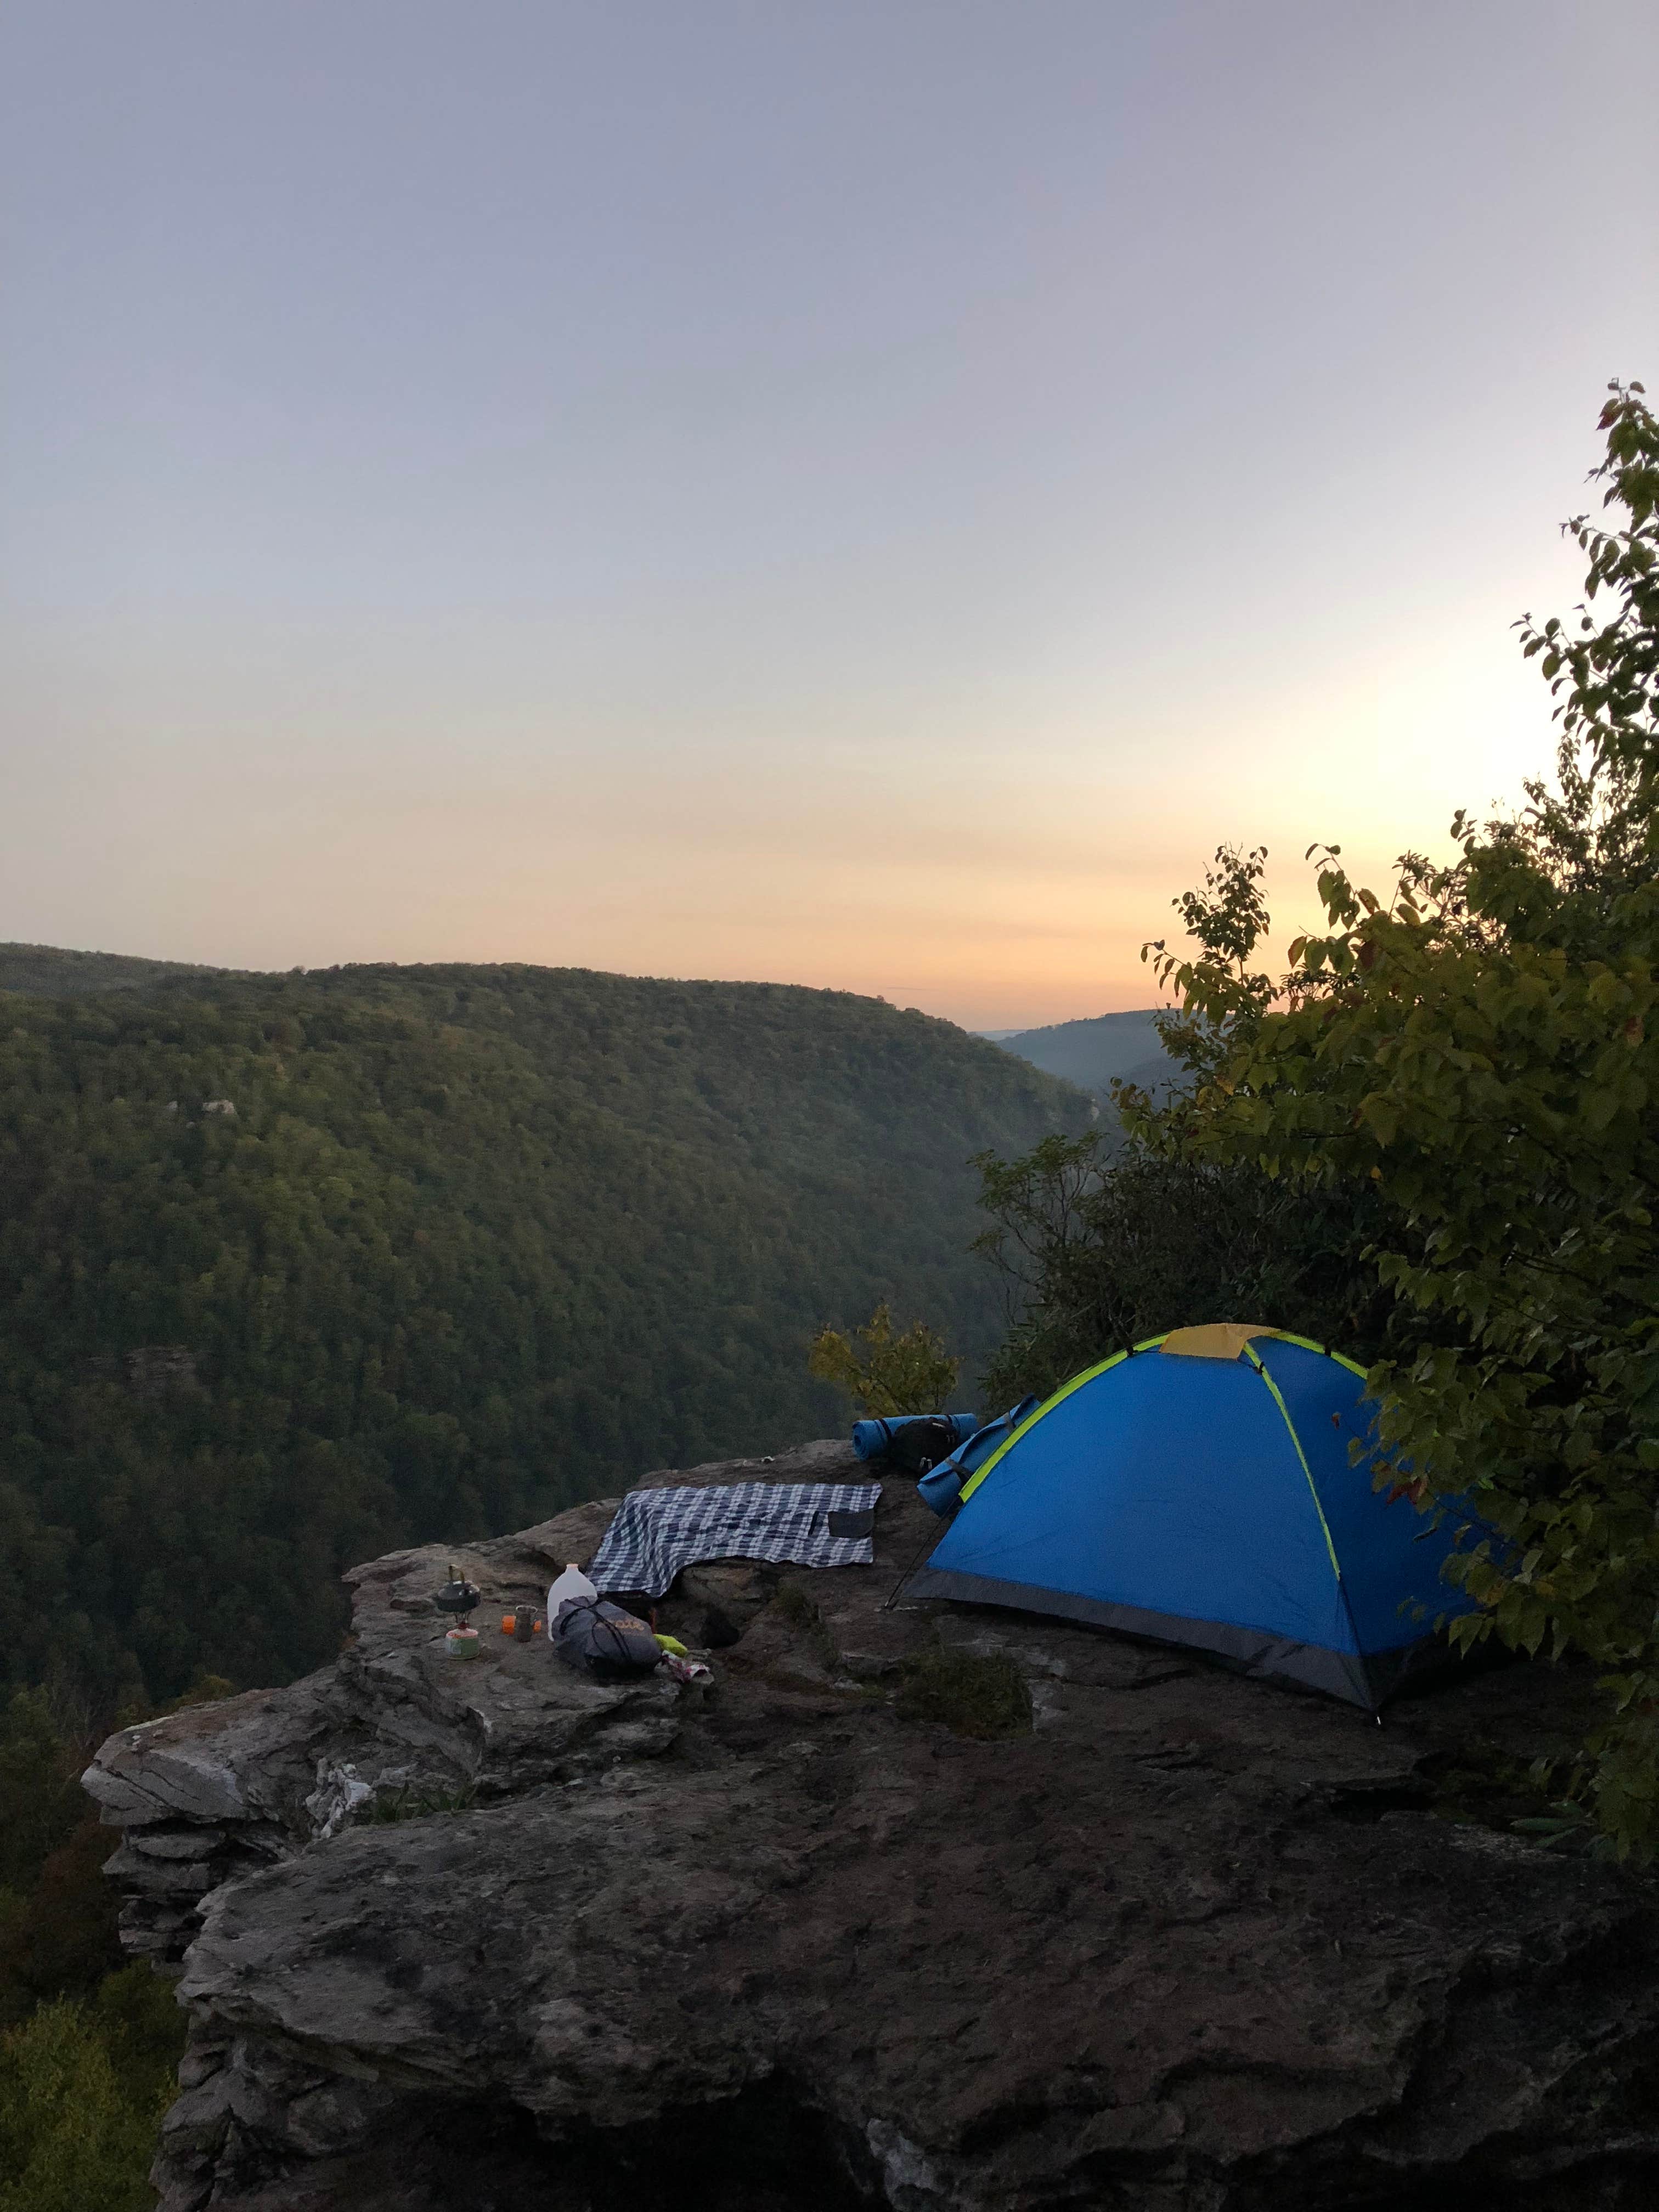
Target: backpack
914	1445
599	1638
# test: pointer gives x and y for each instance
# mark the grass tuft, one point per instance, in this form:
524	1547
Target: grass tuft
983	1696
408	1803
807	1622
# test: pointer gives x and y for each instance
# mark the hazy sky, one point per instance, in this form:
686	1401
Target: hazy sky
864	495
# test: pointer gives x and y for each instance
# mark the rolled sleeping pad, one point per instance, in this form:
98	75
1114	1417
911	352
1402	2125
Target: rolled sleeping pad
871	1438
941	1486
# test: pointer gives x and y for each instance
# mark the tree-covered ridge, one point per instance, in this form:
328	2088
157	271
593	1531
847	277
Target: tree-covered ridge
473	1243
51	971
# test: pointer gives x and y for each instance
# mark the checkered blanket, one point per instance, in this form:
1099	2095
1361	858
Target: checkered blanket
806	1525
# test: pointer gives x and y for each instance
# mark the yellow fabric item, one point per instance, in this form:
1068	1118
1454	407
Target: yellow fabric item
673	1644
1215	1339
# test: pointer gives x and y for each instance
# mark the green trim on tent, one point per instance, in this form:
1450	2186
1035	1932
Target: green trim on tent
1307	1345
1313	1488
1047	1407
1150	1344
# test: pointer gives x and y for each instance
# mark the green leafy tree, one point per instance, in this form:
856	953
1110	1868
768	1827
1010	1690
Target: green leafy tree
1100	1248
1482	1047
58	1934
83	2089
1101	1243
1229	919
887	1372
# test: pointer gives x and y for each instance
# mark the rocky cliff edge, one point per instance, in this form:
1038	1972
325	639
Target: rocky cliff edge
493	1935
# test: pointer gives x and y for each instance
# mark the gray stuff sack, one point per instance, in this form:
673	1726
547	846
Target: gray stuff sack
600	1639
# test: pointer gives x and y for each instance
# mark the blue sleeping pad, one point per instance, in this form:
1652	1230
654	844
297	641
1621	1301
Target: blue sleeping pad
872	1439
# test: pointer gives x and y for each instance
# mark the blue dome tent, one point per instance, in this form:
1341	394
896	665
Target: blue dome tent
1199	1491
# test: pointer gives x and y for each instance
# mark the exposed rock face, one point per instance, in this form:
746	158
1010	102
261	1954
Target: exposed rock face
155	1370
1193	1944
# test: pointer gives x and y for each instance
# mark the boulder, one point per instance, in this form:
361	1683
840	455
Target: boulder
1145	1936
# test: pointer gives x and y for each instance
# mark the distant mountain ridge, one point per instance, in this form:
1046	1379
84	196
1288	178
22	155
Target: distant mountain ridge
1091	1052
51	971
1096	1052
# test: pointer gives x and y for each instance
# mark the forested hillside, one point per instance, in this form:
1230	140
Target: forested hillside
296	1269
1096	1051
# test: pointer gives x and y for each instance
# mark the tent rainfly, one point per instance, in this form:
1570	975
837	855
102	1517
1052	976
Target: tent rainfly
1198	1490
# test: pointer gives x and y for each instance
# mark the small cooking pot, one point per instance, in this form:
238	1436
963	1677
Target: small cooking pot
457	1597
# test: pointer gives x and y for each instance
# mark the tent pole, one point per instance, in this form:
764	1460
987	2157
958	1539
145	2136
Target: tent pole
931	1538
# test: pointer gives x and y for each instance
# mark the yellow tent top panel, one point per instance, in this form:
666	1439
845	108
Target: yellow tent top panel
1215	1339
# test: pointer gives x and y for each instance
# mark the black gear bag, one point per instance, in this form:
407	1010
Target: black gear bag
599	1638
916	1445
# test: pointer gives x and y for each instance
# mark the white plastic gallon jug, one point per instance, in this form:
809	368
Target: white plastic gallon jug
572	1584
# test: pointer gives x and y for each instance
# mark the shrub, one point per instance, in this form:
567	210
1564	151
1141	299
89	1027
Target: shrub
82	2088
910	1373
981	1695
406	1802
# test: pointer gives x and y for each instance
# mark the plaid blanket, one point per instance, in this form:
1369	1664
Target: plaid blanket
806	1525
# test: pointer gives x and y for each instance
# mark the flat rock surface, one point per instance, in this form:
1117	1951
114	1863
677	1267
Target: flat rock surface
1187	1942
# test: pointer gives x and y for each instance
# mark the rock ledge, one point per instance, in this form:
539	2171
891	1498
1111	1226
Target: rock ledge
491	1934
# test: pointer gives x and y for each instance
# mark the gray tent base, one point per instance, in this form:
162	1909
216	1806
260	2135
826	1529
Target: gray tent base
1367	1682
